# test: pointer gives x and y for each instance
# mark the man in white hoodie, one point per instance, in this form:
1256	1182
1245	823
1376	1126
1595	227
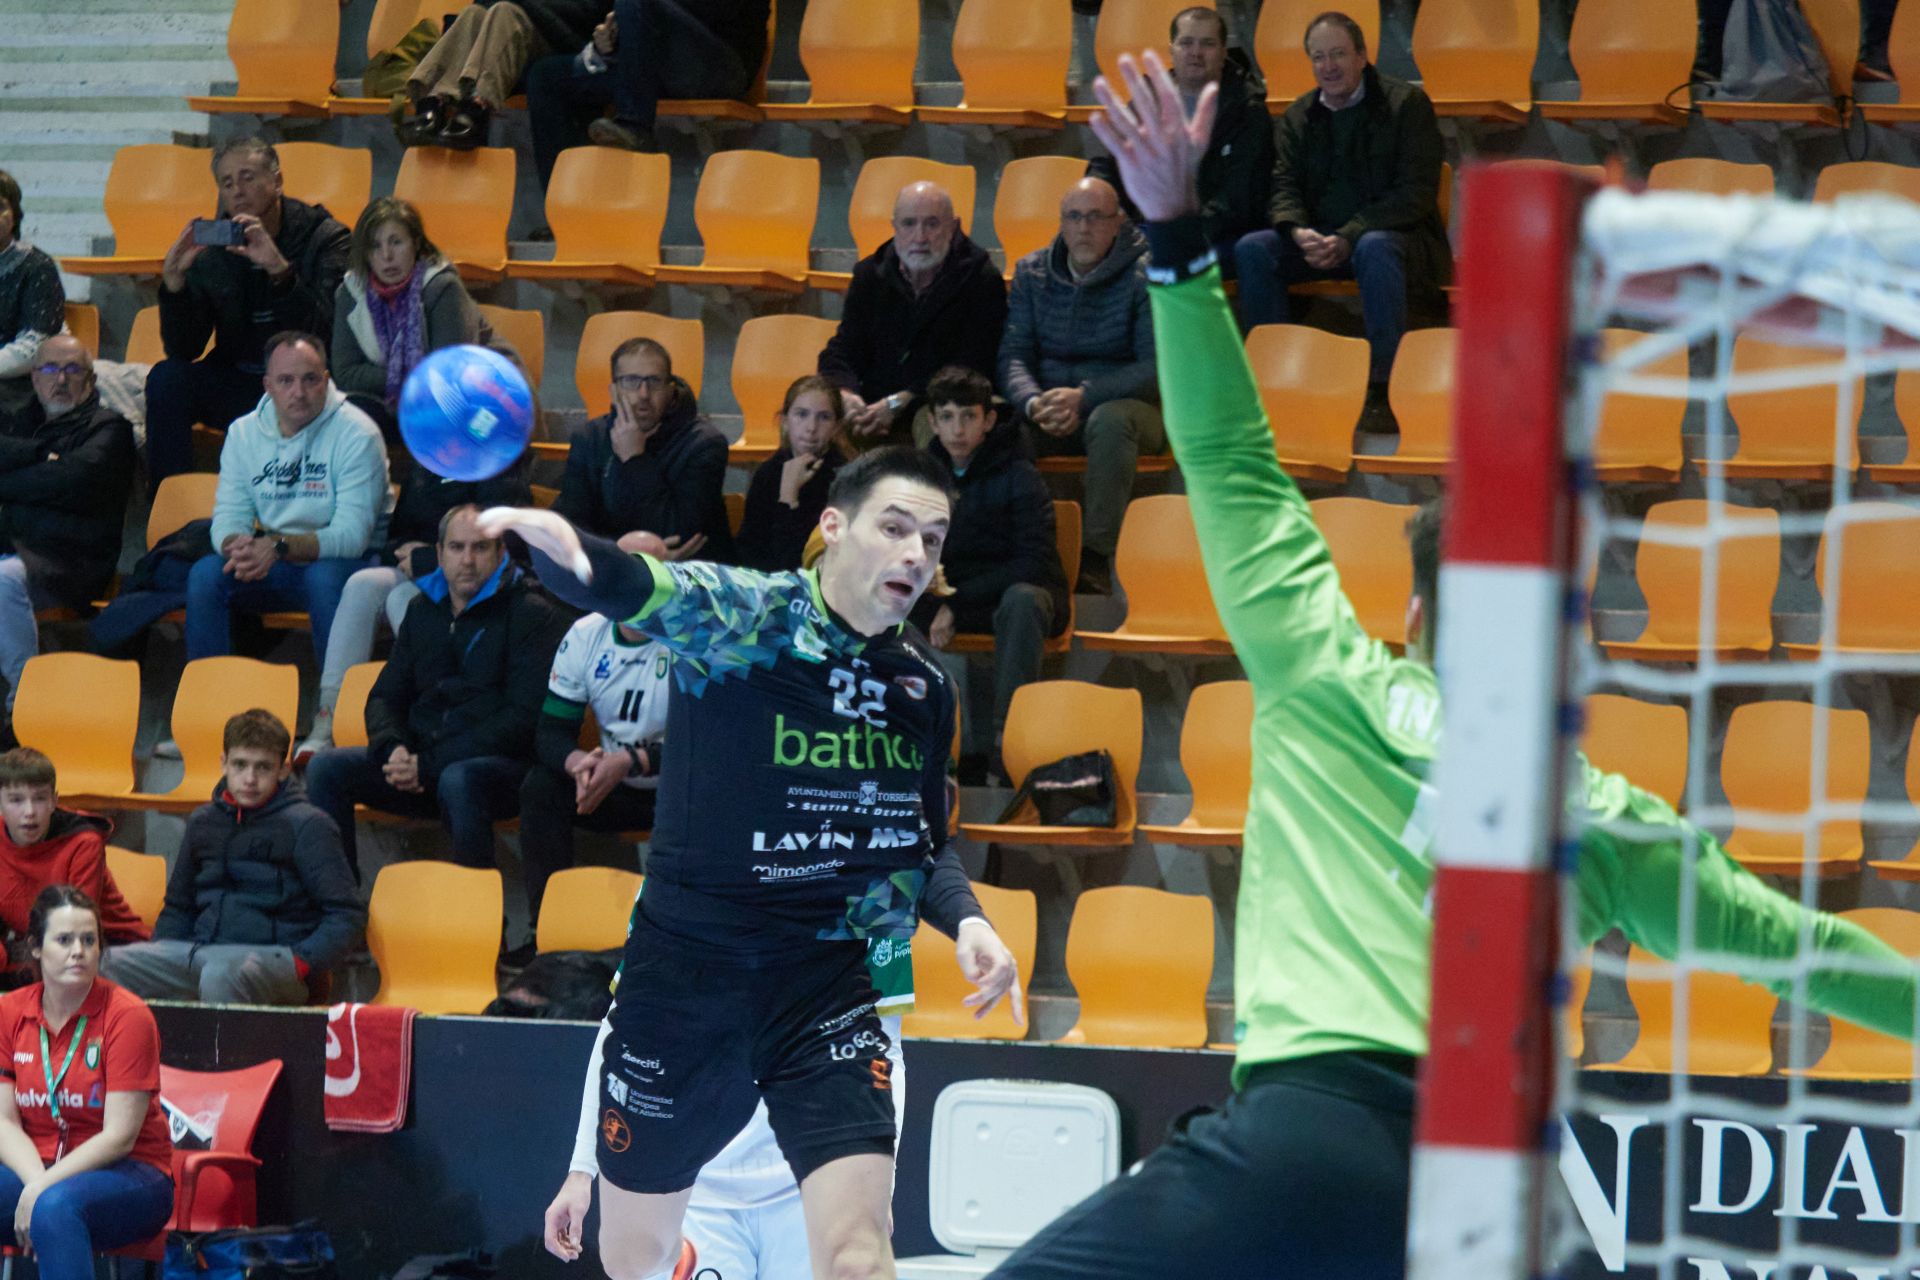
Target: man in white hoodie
303	502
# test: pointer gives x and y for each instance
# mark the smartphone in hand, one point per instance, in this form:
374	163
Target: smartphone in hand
218	232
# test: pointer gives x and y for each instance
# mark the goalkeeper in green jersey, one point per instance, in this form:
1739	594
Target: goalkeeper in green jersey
1303	1171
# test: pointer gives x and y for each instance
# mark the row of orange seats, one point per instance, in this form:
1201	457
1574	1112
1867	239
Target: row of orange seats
1634	59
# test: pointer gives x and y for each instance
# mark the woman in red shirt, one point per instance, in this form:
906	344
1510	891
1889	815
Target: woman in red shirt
87	1165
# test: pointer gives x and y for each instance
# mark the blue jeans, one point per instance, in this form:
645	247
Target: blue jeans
212	597
102	1209
468	797
1269	261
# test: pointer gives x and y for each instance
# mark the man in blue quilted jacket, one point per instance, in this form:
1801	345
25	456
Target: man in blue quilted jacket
1077	360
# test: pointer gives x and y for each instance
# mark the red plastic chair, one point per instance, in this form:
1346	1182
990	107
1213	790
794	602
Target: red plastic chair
213	1190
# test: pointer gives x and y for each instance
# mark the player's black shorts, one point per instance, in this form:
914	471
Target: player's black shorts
698	1038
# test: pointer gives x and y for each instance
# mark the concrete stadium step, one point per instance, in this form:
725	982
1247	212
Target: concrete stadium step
60	125
151	78
49	179
79	30
102	12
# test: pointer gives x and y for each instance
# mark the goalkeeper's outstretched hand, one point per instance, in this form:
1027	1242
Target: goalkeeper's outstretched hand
545	531
1156	144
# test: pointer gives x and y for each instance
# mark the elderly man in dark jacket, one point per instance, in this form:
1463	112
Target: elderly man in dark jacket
1000	556
1355	196
66	472
1236	172
653	464
281	276
927	298
1077	359
259	899
450	720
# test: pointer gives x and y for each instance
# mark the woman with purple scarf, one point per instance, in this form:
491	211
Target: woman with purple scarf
400	300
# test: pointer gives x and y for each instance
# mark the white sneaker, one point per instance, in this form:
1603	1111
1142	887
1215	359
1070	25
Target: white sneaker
166	749
319	738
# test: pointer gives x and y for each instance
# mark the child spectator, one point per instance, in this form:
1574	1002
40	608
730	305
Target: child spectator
789	490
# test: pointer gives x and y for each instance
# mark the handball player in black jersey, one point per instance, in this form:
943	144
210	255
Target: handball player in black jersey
802	811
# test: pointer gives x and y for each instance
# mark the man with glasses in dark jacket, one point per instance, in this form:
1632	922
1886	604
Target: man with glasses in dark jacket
450	720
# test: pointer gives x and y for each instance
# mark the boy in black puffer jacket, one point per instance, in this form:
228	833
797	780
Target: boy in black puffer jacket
260	897
1000	556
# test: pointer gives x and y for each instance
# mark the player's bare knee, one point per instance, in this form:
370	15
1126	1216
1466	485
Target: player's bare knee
863	1258
637	1255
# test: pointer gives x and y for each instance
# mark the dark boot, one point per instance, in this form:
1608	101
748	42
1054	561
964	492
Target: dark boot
466	128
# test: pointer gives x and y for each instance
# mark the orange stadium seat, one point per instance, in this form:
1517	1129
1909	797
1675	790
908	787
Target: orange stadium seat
859	57
1313	385
1476	57
1643	742
1420	389
1012	56
1279	45
212	690
870	208
1157	564
465	199
1855	1053
1066	541
1638	437
1632	57
438	961
1216	754
84	712
1903	54
685	341
1026	207
141	879
1670	574
83	322
1836	25
586	909
755	211
1729	1022
1140	960
938	987
607	208
283	51
340	178
1130	26
1368	540
526	332
179	500
350	708
1906	404
772	351
1787	434
1711	175
391	20
1907	868
153	190
1879	586
1851	177
1765	767
1052	719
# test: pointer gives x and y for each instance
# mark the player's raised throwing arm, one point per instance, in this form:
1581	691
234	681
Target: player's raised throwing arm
1272	577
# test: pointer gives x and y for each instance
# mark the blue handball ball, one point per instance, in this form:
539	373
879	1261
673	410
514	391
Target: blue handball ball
466	413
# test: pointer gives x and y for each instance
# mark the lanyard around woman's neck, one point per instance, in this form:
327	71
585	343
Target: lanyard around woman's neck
46	1067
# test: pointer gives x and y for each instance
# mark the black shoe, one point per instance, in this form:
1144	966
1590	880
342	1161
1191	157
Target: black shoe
466	128
608	132
423	130
1377	417
1096	575
518	957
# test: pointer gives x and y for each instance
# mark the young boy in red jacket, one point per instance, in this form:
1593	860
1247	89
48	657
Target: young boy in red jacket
42	844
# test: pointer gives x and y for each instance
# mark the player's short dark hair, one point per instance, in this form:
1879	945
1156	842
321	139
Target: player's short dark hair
1341	21
634	347
1200	11
853	482
957	384
1423	536
294	338
50	900
257	730
25	767
10	196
